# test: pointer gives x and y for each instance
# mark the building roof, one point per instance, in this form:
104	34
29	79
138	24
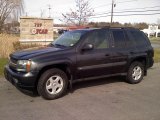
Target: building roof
26	17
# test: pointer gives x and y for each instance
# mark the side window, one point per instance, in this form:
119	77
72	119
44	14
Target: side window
130	40
99	39
119	38
138	37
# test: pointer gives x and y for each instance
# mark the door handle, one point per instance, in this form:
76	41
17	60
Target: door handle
120	53
132	52
107	55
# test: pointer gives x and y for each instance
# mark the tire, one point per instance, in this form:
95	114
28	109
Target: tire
52	84
135	73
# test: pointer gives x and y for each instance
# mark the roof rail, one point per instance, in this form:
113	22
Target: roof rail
128	27
123	27
105	27
118	27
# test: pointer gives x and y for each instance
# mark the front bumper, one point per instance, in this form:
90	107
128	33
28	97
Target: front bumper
150	62
22	80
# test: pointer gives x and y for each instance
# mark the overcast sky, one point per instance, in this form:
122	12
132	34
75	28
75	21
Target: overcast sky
34	8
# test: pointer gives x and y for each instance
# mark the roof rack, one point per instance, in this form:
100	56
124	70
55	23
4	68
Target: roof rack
106	27
128	27
123	27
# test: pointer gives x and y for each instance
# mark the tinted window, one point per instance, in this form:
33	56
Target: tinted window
98	38
138	37
130	40
119	38
68	39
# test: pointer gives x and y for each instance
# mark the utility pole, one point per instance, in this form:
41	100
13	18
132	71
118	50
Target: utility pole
113	5
49	8
26	14
42	12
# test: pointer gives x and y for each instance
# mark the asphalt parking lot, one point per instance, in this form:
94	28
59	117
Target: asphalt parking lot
103	99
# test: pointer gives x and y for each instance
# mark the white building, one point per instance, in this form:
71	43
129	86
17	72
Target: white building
158	33
152	30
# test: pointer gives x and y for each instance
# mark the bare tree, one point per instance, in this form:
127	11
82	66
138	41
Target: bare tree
10	9
80	15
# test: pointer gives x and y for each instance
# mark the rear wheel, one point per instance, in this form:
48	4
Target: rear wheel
52	84
135	73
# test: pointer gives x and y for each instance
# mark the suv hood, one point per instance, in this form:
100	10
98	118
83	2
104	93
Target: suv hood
33	52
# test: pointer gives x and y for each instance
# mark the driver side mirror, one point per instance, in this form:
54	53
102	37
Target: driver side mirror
87	47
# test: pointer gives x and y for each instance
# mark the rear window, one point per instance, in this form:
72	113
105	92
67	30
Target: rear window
139	38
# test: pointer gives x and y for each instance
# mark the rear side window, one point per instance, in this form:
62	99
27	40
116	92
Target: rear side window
119	38
130	42
138	37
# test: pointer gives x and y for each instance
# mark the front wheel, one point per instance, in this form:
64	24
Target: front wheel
135	73
52	84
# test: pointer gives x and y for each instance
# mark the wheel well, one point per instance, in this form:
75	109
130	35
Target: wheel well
63	67
141	60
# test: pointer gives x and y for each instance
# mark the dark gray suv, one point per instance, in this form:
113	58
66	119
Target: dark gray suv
81	55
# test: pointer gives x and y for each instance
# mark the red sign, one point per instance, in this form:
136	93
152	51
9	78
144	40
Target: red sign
39	30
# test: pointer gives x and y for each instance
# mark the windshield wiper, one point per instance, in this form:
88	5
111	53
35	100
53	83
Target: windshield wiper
51	45
59	45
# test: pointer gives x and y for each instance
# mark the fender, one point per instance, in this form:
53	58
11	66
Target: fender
138	57
67	62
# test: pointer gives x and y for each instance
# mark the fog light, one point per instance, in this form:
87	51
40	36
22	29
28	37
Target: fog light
15	80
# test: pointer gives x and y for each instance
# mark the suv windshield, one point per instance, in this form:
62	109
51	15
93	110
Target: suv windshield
68	39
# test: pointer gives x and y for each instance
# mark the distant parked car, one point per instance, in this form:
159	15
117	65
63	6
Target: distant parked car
62	31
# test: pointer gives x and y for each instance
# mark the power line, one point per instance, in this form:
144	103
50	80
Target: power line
142	8
116	2
127	15
142	11
114	5
139	11
127	11
138	14
133	9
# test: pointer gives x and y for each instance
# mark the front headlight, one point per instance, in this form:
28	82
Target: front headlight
24	65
